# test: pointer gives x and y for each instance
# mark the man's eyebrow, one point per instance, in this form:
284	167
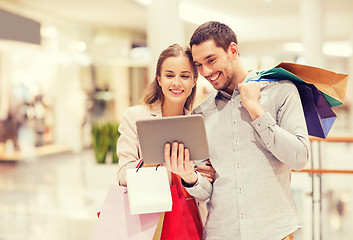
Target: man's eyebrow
205	58
209	56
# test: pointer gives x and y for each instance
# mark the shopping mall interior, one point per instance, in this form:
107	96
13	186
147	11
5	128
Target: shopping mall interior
68	68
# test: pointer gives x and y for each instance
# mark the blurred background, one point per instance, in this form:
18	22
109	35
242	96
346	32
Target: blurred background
70	68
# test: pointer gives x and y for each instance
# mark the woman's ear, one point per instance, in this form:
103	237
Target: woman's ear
195	80
158	80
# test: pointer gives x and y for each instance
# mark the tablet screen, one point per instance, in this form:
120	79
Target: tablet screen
153	134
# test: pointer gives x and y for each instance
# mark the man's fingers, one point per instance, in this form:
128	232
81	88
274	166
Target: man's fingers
203	168
209	178
205	174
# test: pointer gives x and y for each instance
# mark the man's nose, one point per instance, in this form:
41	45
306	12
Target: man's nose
206	71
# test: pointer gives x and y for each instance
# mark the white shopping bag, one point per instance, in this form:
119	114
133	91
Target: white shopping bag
148	190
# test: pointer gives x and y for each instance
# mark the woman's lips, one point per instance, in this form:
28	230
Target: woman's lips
176	91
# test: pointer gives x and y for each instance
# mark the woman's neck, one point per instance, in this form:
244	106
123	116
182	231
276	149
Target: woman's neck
172	109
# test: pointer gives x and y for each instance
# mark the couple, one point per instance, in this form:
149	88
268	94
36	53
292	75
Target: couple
256	133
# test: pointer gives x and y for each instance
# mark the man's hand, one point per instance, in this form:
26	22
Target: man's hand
207	171
250	96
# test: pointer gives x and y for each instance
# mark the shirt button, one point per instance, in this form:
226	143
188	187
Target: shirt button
268	145
242	216
235	121
236	142
240	190
238	165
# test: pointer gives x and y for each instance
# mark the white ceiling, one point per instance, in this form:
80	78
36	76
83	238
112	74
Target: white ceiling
253	20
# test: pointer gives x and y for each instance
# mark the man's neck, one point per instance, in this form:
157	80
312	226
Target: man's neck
240	76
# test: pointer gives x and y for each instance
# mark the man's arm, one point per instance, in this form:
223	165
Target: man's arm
287	139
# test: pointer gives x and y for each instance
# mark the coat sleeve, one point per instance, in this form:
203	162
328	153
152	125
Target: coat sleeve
127	145
201	190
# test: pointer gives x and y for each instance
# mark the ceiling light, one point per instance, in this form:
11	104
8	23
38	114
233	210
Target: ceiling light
143	2
293	46
338	48
198	15
80	46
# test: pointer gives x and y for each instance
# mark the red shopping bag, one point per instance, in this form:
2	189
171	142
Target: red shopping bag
179	223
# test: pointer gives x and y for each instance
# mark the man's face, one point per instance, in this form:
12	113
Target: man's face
215	64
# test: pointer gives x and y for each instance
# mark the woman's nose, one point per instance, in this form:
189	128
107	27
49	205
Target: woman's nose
177	81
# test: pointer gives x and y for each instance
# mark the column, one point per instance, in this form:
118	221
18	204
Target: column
4	87
312	38
349	95
164	27
312	31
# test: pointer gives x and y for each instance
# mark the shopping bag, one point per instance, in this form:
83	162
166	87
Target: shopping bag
318	114
179	224
148	190
158	232
116	223
332	85
327	90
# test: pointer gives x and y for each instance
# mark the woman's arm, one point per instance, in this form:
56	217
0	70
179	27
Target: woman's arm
127	145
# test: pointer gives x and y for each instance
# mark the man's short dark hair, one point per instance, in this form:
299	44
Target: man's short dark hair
222	34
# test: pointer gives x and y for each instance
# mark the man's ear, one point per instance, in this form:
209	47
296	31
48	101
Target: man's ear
233	48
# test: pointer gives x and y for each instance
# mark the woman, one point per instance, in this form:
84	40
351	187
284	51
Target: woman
171	93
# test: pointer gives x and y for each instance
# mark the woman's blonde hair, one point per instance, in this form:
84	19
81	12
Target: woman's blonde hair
153	95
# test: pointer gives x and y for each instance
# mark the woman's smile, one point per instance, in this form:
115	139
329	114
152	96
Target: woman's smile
176	91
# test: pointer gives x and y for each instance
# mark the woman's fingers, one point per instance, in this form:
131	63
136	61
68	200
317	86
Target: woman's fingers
167	156
180	162
177	158
174	157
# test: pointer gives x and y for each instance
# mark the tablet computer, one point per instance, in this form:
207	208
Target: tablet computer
153	134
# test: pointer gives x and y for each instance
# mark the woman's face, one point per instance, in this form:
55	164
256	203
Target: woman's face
176	80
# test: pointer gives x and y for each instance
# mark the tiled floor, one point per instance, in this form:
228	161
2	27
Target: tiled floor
53	198
57	197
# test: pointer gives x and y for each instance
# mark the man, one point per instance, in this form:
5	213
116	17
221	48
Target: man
257	134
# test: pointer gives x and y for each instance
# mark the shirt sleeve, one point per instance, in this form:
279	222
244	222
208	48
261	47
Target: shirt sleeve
127	146
201	190
286	137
